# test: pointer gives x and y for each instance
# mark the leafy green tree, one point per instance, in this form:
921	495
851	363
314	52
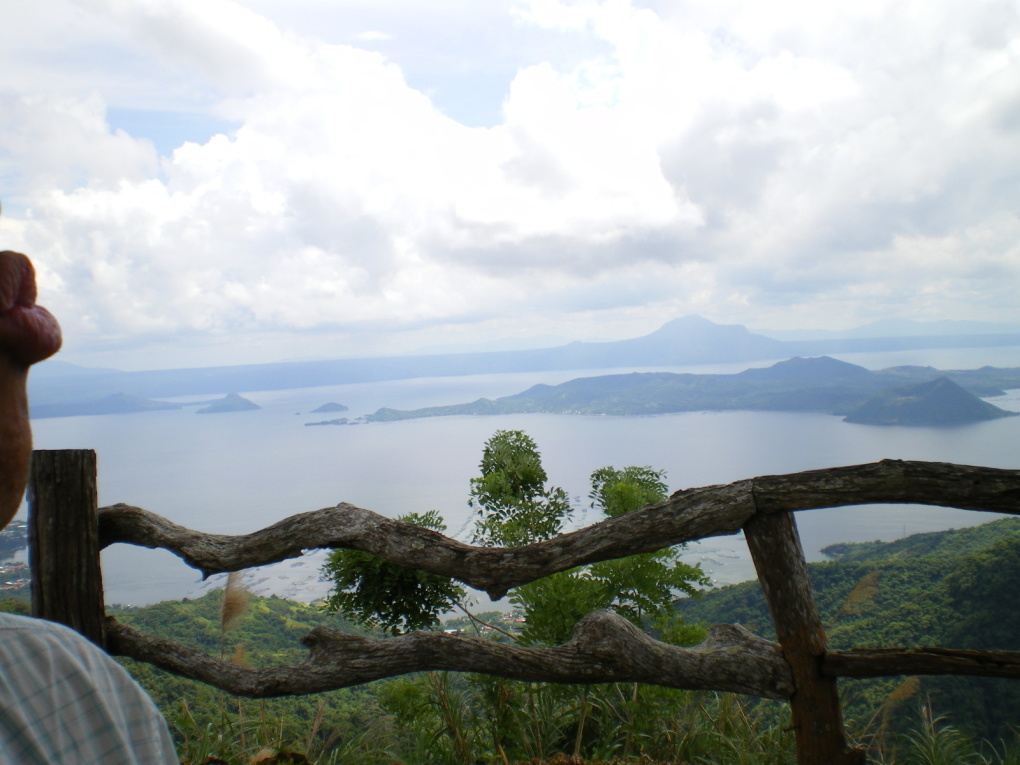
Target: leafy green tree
645	586
516	506
513	504
616	492
372	591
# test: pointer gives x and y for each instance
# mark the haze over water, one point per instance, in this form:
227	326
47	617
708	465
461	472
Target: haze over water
239	472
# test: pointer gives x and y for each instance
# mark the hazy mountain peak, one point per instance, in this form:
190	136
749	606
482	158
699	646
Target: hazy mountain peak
693	323
817	368
58	368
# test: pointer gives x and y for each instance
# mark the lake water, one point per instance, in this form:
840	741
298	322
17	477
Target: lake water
238	472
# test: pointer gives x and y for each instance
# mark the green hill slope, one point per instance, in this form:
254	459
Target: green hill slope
952	589
268	634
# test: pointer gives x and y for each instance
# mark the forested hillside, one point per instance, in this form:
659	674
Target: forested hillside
952	589
265	632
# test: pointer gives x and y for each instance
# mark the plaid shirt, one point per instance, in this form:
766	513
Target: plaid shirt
65	702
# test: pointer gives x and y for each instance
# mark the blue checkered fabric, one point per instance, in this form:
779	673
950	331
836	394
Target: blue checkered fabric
63	701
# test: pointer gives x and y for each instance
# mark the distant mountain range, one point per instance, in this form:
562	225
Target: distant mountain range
115	403
687	340
122	403
898	328
817	384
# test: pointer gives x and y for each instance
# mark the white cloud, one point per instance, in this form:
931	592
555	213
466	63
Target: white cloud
373	36
723	158
58	142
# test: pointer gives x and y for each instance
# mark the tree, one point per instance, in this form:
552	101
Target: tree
645	585
515	506
616	492
375	592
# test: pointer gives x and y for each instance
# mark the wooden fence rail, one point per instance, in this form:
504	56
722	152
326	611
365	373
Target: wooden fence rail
67	531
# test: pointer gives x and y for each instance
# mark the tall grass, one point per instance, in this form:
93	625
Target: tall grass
441	719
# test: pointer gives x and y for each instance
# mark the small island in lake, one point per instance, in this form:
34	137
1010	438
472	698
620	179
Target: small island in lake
332	406
232	402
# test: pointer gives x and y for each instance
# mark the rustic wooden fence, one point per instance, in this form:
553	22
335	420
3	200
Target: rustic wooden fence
67	531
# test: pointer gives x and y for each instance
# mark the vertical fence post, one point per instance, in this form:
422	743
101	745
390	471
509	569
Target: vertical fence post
782	571
63	541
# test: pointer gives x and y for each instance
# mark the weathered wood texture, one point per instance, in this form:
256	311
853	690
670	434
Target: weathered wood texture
817	714
492	569
890	482
63	543
605	648
687	515
882	662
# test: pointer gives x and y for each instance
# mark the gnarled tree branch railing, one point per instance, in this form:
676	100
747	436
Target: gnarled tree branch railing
686	516
605	647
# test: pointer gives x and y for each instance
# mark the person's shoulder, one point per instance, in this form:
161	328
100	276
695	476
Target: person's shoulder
56	685
19	623
28	641
40	637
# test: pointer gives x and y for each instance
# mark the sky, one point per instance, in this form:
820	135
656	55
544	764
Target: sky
206	182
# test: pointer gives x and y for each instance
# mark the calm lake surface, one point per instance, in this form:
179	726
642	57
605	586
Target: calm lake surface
238	472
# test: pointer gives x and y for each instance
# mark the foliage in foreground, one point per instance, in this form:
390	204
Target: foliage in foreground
944	589
454	718
381	594
436	717
208	722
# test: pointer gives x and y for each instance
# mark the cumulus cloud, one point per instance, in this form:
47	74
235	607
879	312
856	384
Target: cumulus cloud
56	142
712	157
